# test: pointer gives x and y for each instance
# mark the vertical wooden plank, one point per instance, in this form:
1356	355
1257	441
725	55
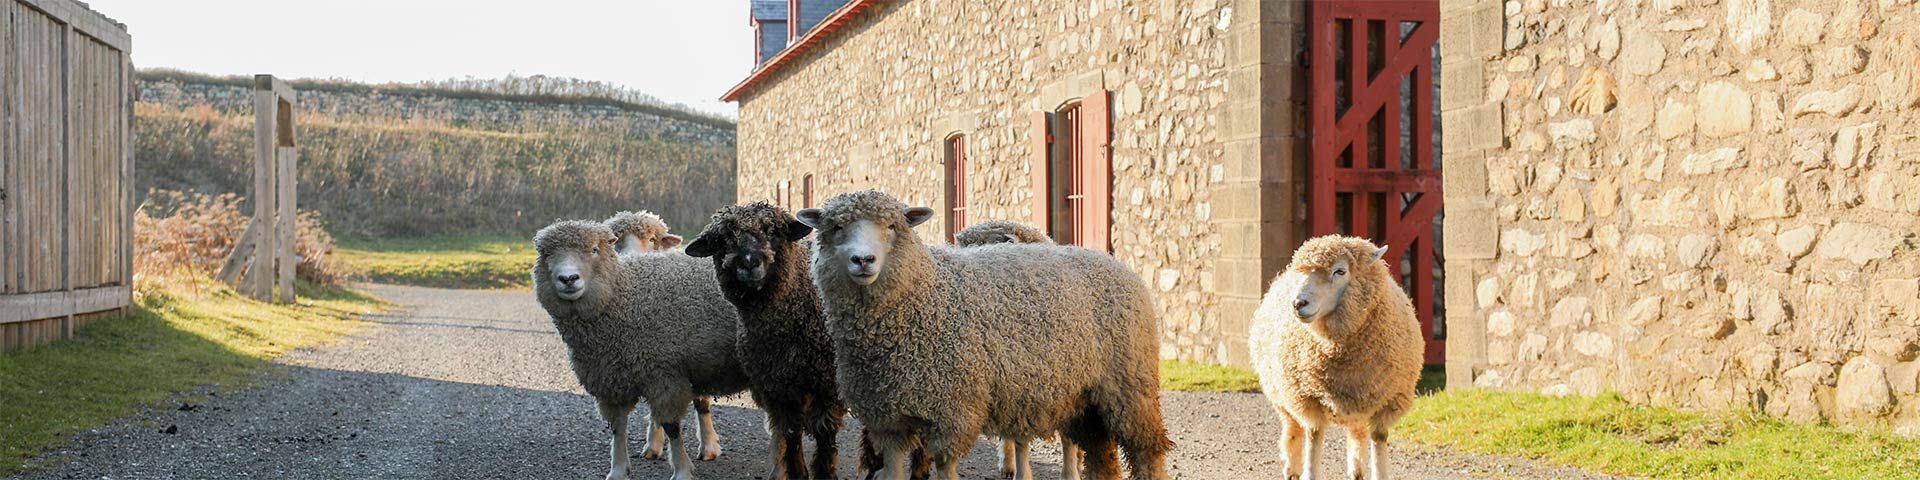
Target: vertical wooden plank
1096	181
7	139
261	270
125	237
286	191
69	107
1038	167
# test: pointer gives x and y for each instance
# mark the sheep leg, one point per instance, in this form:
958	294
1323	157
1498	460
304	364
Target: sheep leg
1292	439
1069	459
796	452
825	428
893	455
616	416
776	448
1310	468
1377	449
656	439
1007	456
1026	465
1356	453
709	439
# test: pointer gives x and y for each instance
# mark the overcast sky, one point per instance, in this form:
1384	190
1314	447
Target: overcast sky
682	51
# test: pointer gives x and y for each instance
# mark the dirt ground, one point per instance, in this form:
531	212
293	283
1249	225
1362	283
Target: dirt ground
475	384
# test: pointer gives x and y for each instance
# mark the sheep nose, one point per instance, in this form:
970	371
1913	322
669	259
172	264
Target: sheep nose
1299	304
862	260
749	261
568	279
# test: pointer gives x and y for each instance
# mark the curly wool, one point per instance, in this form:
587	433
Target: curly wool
649	325
783	343
999	231
1359	362
1015	341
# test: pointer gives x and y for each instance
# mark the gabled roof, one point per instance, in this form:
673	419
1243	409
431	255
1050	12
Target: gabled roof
769	10
819	33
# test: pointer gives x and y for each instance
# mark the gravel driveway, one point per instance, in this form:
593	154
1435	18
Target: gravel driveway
474	384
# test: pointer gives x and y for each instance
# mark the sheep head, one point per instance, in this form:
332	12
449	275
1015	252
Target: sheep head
1327	267
641	231
748	241
860	229
576	261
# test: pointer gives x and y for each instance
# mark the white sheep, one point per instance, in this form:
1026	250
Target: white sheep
1014	461
1336	341
642	231
935	346
642	326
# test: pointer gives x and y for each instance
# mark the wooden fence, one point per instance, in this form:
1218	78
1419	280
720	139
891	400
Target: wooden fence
66	169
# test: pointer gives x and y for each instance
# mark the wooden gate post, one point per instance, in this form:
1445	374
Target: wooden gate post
270	236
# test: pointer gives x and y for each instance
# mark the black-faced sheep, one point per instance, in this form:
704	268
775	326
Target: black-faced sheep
937	346
643	326
1335	341
1014	461
999	231
783	344
642	231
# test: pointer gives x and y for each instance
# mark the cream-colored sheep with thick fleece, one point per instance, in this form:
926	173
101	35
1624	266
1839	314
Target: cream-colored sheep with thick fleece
1336	341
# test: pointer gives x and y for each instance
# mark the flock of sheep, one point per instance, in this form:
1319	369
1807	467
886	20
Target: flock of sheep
931	346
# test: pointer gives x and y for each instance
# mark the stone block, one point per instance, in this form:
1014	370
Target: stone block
1464	174
1470	231
1858	243
1863	390
1725	110
1462	84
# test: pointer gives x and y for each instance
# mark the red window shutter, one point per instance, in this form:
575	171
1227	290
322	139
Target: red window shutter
1039	170
1096	177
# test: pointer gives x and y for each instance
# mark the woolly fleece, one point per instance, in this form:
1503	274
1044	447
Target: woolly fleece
1012	340
999	231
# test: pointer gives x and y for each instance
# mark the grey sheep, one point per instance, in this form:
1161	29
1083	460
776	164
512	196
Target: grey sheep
1014	461
642	231
999	231
935	346
643	326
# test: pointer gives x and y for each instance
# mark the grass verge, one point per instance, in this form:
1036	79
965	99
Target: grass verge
1197	377
1608	434
181	338
447	261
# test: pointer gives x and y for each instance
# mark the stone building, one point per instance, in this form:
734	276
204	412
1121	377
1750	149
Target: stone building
1695	203
1164	132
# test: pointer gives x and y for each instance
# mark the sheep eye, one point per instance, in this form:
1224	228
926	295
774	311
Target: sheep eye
1339	271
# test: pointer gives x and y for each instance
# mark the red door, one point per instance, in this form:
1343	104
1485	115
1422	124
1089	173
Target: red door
1374	170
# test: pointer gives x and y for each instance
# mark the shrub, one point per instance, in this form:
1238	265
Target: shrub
190	234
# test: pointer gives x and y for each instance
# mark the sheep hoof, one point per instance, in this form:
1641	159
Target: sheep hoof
652	453
709	453
617	474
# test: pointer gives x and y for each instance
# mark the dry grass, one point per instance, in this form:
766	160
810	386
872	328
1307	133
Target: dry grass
179	234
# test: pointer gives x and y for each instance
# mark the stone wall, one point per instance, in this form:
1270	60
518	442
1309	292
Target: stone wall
878	100
1701	203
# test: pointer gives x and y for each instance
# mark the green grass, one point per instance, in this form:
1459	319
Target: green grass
1197	377
447	261
171	342
1608	434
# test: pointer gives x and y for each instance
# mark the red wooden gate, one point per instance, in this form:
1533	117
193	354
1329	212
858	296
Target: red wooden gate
1374	170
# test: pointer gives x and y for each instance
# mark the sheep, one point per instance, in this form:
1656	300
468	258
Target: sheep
1014	462
642	231
935	346
783	345
999	231
1336	341
762	262
643	326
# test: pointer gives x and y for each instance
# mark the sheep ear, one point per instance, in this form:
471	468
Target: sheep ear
705	246
1382	252
670	241
918	215
811	217
797	230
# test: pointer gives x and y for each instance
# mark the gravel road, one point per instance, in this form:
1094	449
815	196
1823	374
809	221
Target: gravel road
474	384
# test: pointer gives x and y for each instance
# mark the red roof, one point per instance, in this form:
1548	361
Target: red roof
832	23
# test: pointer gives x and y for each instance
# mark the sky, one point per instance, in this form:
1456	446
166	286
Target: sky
682	51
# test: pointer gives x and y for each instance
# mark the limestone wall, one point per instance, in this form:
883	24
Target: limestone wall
881	98
1703	203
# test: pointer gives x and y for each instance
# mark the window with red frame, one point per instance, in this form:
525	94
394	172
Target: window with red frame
956	185
1072	183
